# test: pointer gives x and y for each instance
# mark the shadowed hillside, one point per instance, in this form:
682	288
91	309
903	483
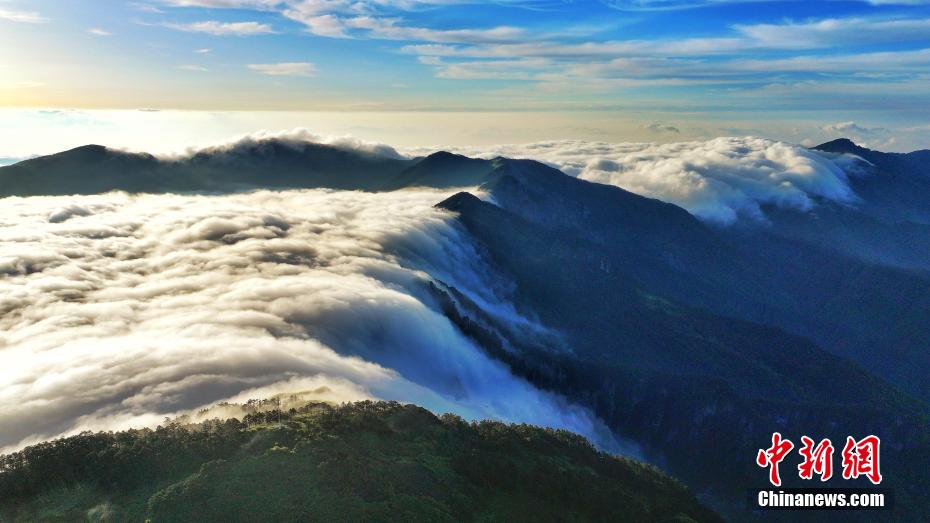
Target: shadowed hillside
701	390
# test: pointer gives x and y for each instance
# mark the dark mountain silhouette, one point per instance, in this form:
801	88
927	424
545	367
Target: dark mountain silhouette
444	169
276	163
267	164
272	163
84	170
842	146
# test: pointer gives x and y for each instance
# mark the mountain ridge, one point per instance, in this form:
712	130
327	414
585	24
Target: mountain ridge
366	461
273	163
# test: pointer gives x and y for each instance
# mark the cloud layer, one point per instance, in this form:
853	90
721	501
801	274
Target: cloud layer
118	310
26	17
216	28
719	180
285	69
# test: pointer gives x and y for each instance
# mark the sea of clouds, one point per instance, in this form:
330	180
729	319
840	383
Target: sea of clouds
117	310
719	180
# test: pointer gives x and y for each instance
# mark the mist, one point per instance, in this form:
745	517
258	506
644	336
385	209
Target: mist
118	310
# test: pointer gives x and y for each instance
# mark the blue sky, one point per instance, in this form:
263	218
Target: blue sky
666	69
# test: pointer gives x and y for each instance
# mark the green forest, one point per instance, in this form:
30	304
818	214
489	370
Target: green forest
365	461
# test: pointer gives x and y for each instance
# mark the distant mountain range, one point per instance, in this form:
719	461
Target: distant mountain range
273	164
693	340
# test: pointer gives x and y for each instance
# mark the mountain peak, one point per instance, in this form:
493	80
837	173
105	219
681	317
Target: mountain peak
84	151
91	147
459	201
445	159
444	155
841	145
445	169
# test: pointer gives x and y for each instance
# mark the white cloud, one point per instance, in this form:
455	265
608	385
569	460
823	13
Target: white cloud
378	19
585	50
885	62
853	128
204	50
26	17
117	310
719	180
711	60
392	29
870	137
99	32
323	22
671	5
215	28
788	35
521	69
555	62
835	31
321	25
192	67
145	8
587	73
344	19
285	69
246	144
224	4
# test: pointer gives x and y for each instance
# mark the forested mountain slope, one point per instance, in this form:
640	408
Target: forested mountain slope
358	462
